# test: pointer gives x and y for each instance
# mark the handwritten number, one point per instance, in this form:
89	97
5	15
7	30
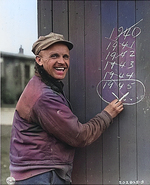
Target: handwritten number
115	45
121	85
130	75
120	61
131	65
136	32
132	54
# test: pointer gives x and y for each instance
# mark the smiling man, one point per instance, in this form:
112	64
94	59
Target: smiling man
45	132
55	60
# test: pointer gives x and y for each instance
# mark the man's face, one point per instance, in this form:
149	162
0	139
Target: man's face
55	60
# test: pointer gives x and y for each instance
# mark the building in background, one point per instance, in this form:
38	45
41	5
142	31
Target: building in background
16	70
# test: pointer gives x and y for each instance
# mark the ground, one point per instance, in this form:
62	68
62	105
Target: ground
5	143
6	117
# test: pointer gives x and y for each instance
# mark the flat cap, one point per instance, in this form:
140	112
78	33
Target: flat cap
45	41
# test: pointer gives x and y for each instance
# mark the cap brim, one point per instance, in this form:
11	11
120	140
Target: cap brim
68	44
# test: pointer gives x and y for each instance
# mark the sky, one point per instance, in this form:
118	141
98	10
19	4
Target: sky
18	25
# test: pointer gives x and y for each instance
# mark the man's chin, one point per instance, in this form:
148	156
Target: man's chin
59	77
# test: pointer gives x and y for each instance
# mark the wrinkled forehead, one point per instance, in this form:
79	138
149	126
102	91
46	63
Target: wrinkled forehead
58	48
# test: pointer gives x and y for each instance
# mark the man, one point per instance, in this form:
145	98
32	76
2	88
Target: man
45	132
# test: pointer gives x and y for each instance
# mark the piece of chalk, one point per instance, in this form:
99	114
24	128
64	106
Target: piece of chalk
115	95
123	96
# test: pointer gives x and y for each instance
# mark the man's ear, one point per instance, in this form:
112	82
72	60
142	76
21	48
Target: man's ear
39	60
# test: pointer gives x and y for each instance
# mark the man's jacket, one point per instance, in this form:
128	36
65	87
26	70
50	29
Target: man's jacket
45	132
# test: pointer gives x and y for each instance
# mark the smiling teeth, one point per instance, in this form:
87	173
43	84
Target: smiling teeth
60	68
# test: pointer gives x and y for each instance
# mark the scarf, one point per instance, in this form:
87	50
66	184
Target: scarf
55	84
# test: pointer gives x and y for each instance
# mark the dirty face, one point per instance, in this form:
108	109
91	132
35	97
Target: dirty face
55	60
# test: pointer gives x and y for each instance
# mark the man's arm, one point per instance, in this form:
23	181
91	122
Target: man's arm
58	120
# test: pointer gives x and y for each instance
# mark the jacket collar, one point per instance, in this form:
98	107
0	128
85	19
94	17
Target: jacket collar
55	84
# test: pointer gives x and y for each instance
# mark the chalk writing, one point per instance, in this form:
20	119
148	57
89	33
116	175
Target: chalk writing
118	64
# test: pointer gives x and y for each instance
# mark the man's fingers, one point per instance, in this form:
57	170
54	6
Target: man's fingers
117	102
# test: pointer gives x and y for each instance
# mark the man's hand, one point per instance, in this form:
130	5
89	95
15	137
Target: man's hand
114	108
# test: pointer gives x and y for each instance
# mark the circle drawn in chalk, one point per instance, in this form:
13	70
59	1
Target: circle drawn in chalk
136	89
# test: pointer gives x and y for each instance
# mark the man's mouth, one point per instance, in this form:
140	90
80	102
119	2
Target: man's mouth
60	68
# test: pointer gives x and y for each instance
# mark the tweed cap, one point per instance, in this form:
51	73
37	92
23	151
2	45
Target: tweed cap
45	41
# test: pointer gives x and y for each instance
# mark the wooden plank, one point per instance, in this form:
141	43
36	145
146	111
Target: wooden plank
93	76
110	137
60	25
128	144
143	108
77	81
44	17
60	17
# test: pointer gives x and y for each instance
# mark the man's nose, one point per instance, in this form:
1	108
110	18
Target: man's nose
61	60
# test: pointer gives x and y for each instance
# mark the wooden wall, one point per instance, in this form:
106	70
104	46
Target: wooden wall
111	54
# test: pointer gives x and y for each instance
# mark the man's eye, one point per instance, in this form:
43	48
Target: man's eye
66	57
54	56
